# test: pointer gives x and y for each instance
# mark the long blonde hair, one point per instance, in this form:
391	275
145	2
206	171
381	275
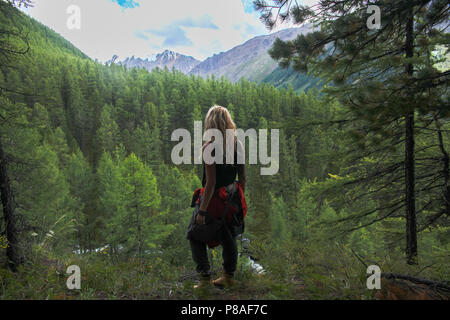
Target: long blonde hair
219	117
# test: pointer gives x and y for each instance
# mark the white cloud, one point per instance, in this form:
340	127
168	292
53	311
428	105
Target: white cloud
108	29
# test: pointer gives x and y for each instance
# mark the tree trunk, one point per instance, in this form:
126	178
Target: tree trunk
411	228
12	251
445	168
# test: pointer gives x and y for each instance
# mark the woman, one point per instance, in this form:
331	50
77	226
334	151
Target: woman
216	176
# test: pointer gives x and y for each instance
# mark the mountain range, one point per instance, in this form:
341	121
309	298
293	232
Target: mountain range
249	60
168	58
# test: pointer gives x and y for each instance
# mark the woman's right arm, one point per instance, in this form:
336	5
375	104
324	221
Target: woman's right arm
209	186
210	171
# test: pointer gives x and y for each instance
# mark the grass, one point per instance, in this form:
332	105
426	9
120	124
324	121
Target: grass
291	274
106	277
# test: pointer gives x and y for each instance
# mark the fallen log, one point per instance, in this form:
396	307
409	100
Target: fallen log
406	287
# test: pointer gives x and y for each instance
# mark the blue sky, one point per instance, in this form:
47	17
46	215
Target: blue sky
142	28
127	3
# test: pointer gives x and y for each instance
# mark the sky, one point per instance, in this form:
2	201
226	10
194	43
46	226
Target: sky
143	28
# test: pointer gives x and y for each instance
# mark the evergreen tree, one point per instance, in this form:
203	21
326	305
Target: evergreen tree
108	134
79	175
373	72
111	200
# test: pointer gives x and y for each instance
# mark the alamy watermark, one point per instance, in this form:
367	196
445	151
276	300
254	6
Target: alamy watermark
374	280
258	147
74	280
74	20
374	21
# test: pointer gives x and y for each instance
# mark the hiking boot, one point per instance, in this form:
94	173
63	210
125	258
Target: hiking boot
203	283
226	280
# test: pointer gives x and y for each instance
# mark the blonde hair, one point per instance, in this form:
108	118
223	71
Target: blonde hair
219	117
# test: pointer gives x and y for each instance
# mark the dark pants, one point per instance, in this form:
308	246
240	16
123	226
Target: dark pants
229	254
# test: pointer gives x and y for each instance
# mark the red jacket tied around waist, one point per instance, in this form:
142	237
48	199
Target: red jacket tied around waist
218	203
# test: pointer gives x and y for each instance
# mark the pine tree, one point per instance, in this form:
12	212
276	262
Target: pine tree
278	218
147	145
108	134
10	49
81	179
131	198
111	202
373	72
141	201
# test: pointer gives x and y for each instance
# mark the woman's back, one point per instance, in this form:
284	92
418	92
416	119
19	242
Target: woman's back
216	176
225	173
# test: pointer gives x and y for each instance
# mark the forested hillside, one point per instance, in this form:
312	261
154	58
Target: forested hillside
282	78
87	150
249	61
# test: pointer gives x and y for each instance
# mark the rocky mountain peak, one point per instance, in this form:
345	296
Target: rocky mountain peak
167	58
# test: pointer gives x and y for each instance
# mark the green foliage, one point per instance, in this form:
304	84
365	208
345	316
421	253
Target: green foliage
88	152
392	84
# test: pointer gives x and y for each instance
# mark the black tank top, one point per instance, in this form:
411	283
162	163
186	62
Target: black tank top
225	173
